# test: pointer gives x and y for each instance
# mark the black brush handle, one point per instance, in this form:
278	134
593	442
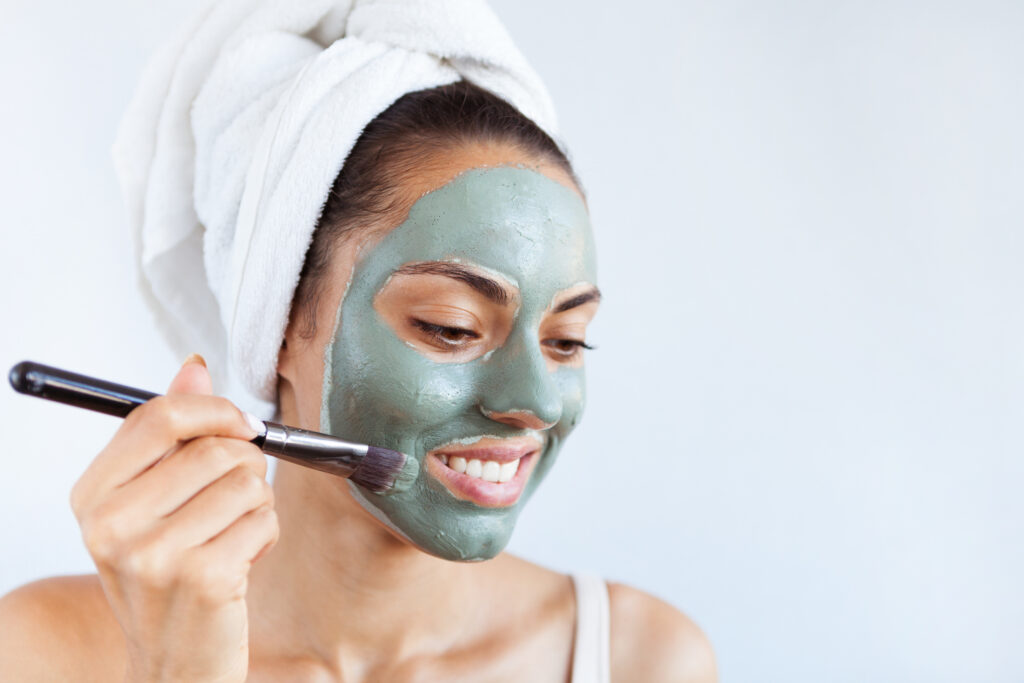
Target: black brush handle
36	379
381	470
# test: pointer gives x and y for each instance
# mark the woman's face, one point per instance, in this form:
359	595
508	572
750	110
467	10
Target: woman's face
458	339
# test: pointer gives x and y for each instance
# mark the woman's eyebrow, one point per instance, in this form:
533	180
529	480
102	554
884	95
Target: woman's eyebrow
592	294
491	289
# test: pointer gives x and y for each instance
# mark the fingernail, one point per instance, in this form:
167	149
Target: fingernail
195	358
255	423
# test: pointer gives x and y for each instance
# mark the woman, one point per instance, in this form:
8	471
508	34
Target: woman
441	311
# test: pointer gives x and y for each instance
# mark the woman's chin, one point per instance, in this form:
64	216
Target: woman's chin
455	530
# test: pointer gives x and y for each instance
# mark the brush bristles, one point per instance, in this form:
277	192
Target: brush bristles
386	471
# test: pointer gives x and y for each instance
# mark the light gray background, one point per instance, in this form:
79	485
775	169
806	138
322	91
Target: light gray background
805	415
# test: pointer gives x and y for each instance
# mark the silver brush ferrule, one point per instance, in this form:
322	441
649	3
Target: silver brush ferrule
313	449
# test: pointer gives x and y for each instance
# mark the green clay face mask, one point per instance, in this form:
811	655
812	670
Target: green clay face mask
531	233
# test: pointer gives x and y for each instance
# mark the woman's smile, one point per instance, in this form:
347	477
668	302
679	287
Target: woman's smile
489	472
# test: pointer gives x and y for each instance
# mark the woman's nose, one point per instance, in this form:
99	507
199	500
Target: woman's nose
519	390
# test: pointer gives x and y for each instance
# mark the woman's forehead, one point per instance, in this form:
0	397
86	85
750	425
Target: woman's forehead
514	221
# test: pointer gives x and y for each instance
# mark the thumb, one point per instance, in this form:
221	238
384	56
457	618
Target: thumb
192	378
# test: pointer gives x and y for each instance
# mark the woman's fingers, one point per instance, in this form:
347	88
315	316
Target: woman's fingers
179	476
157	429
149	432
216	572
182	474
249	537
215	508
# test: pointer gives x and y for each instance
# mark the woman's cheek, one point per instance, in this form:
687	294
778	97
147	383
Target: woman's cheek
384	391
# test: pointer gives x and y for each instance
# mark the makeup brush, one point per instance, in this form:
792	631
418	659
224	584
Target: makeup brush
380	470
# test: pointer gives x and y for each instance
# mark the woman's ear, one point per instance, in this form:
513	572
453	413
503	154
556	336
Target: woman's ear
289	362
287	380
285	357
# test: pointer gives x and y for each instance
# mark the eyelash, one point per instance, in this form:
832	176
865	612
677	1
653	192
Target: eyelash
575	345
438	333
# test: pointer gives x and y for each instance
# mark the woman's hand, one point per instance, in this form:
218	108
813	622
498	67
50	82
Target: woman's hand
174	511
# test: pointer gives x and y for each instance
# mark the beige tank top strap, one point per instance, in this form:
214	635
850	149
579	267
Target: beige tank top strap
591	659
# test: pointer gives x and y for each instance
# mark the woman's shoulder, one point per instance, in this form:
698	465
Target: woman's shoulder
60	628
653	641
650	639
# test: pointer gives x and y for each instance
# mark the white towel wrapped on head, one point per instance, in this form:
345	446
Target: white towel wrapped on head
234	138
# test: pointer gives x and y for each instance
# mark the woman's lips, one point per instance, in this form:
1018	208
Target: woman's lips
489	459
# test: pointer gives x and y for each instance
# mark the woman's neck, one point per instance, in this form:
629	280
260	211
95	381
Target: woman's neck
340	588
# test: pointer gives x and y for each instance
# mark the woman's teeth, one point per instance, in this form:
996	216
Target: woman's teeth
488	470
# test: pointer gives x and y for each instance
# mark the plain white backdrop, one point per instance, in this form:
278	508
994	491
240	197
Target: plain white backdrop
805	421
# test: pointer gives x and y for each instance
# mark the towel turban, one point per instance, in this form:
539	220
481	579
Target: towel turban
237	132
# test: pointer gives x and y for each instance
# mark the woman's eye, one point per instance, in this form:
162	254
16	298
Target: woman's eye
567	348
443	334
